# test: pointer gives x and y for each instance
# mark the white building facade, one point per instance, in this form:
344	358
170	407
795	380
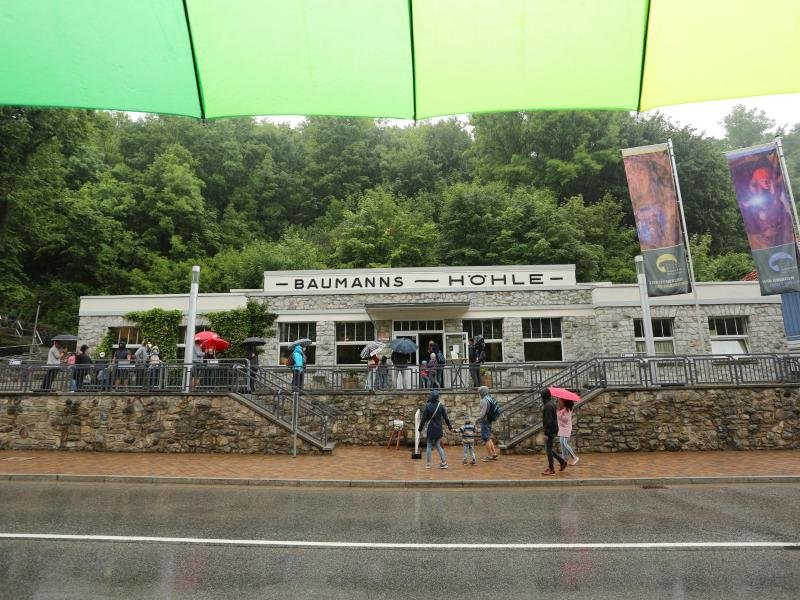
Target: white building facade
525	314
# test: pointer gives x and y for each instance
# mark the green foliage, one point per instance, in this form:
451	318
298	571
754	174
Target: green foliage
254	320
159	327
105	345
95	203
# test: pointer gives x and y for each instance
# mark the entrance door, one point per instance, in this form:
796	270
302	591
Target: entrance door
424	340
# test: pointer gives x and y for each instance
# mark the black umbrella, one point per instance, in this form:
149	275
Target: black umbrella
403	346
65	337
254	341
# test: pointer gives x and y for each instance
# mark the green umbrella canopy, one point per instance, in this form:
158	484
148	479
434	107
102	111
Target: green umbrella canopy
392	58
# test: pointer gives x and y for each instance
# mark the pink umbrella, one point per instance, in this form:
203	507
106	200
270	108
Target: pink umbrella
558	392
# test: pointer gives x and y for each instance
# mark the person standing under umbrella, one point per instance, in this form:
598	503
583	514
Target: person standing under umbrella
550	424
400	363
372	367
298	366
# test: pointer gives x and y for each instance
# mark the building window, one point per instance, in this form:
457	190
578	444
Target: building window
434	325
728	335
288	333
662	336
350	340
129	335
492	332
542	339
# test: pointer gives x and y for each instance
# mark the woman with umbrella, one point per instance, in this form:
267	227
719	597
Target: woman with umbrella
371	352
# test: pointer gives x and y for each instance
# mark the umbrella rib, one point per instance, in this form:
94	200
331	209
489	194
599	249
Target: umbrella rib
194	62
644	55
413	59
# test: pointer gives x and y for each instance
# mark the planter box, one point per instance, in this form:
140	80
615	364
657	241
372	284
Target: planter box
349	382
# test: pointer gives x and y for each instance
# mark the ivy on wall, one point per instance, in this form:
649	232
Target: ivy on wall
159	327
254	320
105	345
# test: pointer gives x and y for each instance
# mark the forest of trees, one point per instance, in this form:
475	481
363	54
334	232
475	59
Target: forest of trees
99	203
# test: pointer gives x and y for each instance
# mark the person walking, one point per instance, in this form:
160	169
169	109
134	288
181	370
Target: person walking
484	419
550	424
433	415
564	417
298	367
467	431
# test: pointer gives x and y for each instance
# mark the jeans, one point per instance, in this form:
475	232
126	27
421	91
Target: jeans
469	450
548	446
438	444
475	373
370	383
566	449
297	379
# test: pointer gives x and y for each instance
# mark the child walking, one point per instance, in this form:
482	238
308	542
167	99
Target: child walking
564	416
467	431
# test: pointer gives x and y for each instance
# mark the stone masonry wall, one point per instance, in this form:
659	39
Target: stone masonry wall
121	423
730	418
615	421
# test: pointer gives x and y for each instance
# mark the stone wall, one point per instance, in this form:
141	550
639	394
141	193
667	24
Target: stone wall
615	421
731	418
122	423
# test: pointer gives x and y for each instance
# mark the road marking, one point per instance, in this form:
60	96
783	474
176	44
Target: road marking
400	546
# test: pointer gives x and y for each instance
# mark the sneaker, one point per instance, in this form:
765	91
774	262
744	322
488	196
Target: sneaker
549	472
427	466
487	459
444	466
562	466
575	462
463	462
473	462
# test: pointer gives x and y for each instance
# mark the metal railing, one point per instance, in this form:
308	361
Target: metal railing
292	405
522	414
167	377
321	379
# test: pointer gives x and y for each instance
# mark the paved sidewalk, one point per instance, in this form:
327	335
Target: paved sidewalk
380	466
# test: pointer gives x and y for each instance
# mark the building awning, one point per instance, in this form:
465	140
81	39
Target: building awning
416	310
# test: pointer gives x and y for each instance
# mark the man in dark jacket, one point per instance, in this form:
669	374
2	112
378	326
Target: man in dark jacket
432	415
550	424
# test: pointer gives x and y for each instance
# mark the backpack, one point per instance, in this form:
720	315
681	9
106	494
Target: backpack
290	360
494	411
440	358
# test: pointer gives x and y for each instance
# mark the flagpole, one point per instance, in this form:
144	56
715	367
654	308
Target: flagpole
788	184
700	334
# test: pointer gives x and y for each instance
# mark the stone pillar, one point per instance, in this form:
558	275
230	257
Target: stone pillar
513	348
326	343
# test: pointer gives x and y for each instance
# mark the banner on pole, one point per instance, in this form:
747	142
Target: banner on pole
767	216
655	208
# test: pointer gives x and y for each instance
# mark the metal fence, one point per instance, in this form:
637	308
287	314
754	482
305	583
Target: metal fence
170	377
450	377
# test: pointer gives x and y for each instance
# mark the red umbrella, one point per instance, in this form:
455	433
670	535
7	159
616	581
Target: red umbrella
202	336
217	344
558	392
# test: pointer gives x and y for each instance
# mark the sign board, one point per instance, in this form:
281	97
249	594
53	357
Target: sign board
446	279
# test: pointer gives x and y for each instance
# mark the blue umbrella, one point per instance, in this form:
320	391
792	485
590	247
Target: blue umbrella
403	346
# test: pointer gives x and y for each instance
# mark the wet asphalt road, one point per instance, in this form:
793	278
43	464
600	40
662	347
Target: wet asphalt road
93	569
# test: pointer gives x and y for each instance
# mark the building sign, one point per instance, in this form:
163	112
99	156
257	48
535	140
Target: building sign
360	281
